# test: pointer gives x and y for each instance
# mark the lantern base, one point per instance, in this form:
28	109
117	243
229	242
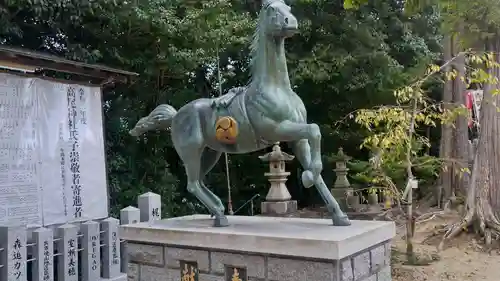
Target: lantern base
278	208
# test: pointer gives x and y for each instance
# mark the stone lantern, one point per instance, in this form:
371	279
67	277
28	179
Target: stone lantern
341	170
342	188
278	198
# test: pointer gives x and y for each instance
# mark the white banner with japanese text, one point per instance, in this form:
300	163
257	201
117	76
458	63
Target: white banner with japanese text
52	162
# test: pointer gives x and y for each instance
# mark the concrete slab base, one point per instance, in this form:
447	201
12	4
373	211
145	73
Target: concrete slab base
262	248
279	208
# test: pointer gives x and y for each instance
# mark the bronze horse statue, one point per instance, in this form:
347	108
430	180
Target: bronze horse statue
266	111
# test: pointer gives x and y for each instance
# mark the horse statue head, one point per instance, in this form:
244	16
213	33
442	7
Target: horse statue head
267	51
276	19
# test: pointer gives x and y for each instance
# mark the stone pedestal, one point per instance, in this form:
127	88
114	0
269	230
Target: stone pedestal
259	248
278	208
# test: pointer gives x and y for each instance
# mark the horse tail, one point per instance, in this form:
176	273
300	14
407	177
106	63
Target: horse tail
160	118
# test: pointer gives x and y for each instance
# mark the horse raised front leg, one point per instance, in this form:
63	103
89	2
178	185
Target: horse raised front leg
302	151
291	131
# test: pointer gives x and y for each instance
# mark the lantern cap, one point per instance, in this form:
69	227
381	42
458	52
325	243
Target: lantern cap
276	155
341	156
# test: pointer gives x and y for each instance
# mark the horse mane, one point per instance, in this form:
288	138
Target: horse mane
255	45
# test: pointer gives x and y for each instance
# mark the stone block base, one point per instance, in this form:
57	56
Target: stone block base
121	277
278	208
258	249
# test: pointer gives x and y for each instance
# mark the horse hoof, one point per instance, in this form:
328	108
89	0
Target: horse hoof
341	220
307	179
221	221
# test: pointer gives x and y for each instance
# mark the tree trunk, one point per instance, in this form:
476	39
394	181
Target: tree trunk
454	143
445	150
461	132
483	195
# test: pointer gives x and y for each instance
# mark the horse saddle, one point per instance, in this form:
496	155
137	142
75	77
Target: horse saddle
225	100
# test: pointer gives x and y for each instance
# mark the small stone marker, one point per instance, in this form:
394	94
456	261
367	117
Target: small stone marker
13	257
111	262
130	215
91	254
236	274
67	248
189	271
43	251
150	207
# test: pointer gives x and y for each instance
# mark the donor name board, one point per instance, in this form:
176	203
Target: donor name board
52	162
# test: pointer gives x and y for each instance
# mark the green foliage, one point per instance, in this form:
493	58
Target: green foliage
354	4
425	168
472	21
341	61
391	128
355	59
391	136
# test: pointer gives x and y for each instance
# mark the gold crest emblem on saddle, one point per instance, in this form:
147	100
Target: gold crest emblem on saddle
226	130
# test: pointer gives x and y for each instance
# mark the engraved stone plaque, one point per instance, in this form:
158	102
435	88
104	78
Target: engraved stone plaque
234	273
189	271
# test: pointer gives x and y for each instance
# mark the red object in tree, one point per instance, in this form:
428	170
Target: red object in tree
468	105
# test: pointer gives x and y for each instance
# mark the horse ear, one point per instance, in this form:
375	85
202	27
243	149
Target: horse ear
266	2
269	2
